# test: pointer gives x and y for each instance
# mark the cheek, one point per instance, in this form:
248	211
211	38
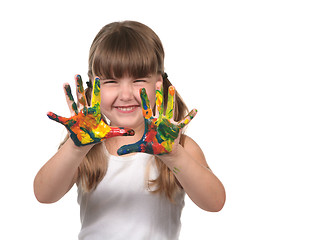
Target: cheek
106	100
151	92
136	94
151	96
152	99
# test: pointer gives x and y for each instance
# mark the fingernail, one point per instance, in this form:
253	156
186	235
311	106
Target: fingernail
171	90
142	90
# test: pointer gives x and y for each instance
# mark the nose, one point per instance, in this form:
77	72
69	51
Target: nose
126	92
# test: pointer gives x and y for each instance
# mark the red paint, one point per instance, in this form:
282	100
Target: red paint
158	148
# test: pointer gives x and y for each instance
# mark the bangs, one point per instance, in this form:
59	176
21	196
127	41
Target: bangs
126	53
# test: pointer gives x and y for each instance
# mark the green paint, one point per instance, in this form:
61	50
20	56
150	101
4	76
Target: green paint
160	132
167	130
144	99
87	126
159	102
69	92
187	119
176	170
170	103
96	90
79	84
70	97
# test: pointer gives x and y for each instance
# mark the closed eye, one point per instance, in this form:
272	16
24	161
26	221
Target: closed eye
108	81
139	80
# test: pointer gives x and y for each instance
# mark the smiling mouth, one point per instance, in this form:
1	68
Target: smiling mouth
127	109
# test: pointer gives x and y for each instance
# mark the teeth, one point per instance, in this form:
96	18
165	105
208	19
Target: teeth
126	108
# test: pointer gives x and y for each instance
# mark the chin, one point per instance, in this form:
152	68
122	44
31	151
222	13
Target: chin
129	123
129	120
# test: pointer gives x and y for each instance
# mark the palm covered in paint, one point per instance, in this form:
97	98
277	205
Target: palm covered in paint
160	131
87	125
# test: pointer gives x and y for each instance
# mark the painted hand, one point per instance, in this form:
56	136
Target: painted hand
86	126
160	131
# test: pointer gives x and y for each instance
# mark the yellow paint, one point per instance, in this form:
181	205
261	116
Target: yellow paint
101	130
159	102
147	113
168	145
85	138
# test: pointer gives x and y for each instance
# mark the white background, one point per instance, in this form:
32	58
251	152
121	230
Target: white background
253	69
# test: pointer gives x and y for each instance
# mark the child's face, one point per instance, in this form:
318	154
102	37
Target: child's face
120	99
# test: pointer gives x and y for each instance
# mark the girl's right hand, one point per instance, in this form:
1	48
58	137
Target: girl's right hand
86	125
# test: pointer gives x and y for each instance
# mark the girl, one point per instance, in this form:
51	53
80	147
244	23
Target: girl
139	195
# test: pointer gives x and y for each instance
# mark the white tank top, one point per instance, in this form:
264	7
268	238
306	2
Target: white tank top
121	207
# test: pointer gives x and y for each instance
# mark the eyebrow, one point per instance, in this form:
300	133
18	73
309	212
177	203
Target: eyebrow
107	78
147	76
134	77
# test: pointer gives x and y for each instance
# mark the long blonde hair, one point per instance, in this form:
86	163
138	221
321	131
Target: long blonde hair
133	49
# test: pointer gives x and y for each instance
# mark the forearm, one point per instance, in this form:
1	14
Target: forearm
200	184
57	176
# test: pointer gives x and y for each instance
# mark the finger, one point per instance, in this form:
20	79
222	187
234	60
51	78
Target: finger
70	100
119	131
159	102
187	119
96	101
131	148
170	103
80	92
145	104
96	96
57	118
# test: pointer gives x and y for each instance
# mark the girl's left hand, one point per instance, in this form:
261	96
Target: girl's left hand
161	132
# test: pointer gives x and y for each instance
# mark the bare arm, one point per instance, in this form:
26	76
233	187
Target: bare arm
191	170
86	127
59	174
188	162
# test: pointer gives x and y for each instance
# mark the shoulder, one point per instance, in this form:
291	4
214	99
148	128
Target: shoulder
192	148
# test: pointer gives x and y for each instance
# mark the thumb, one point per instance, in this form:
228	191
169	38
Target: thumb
130	148
120	131
57	118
